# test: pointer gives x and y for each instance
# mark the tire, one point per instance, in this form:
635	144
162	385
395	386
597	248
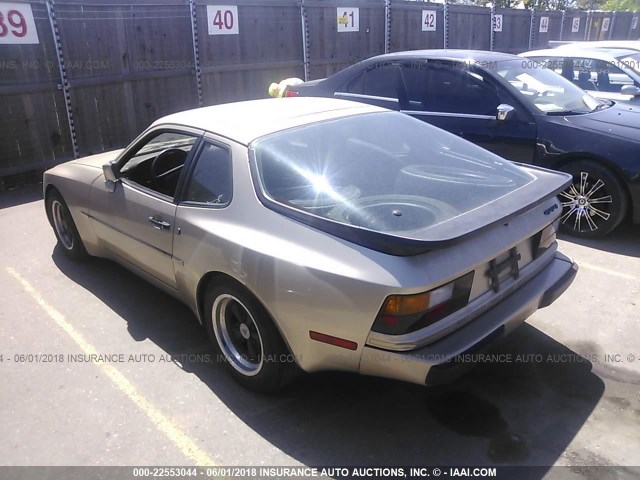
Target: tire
595	204
242	330
64	227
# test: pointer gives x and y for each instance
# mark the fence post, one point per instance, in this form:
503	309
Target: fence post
532	28
196	54
635	14
387	26
612	25
305	41
564	18
587	31
445	15
493	33
63	76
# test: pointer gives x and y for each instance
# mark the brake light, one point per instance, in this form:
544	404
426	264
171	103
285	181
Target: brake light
291	93
402	314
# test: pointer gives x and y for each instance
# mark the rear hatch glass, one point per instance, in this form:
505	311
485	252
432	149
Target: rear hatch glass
388	174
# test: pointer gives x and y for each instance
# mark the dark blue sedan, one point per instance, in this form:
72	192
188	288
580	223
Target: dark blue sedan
519	110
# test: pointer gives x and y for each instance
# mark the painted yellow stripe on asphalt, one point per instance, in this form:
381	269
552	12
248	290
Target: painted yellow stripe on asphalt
180	439
608	271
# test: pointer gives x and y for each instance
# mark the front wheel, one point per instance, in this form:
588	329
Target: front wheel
240	327
595	204
64	226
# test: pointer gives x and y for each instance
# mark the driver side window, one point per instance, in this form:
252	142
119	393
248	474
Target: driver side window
157	164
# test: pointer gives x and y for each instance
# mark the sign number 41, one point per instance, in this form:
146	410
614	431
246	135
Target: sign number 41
348	19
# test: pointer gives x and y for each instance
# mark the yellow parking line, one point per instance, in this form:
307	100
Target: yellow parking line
164	424
608	271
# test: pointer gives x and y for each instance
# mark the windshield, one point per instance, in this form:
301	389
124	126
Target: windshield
385	172
632	62
544	89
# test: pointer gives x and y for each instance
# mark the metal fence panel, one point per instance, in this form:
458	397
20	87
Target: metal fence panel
35	132
553	27
575	26
330	50
268	48
407	31
469	27
514	37
127	64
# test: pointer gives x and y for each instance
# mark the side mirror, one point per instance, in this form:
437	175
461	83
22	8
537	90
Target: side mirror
110	178
630	90
505	111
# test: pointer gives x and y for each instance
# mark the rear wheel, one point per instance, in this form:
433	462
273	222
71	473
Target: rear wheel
595	204
240	327
64	226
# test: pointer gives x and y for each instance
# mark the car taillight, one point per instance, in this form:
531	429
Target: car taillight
291	93
544	239
402	314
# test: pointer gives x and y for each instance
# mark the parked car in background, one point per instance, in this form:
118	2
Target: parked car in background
517	109
322	233
626	44
609	74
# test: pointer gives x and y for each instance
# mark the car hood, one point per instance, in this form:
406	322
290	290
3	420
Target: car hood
98	160
620	120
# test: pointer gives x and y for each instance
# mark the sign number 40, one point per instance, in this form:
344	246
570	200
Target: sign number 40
222	20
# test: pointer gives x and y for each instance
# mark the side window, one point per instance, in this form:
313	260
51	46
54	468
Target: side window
157	164
211	181
379	81
459	90
414	78
611	78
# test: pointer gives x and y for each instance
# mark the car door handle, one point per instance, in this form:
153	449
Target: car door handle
159	224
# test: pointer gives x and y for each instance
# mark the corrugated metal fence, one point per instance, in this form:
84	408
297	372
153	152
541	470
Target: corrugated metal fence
81	77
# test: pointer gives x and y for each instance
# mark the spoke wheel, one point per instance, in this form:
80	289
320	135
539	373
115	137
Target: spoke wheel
594	204
252	348
237	335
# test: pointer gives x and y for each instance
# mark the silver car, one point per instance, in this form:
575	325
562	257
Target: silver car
604	73
321	234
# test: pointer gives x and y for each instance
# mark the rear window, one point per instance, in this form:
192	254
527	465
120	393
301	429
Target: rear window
385	172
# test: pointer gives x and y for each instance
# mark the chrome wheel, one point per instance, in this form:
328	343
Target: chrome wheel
237	334
587	204
62	223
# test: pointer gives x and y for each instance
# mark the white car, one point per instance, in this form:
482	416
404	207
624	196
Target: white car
605	73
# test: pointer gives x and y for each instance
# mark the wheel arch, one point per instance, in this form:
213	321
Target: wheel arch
217	276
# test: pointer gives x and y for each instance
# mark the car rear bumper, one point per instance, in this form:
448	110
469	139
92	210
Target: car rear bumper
443	360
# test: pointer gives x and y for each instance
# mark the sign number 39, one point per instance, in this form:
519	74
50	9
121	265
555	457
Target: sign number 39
16	24
222	20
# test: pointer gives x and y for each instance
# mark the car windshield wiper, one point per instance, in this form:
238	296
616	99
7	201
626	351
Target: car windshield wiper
566	112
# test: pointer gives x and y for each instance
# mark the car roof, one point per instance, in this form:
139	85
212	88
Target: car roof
246	121
595	53
447	54
628	44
